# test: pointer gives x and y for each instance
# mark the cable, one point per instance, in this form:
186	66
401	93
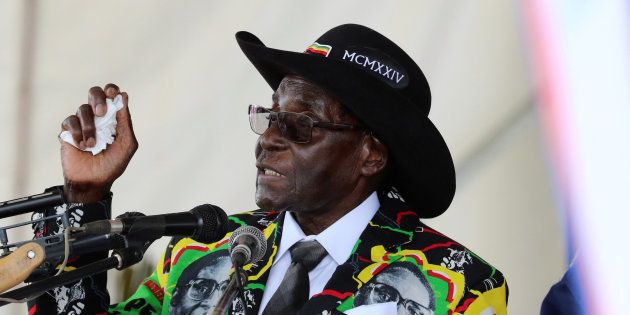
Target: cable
66	247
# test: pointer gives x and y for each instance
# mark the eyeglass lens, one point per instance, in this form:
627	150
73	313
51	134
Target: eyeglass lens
382	293
293	126
201	289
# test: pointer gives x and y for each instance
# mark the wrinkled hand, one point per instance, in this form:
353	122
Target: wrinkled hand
88	178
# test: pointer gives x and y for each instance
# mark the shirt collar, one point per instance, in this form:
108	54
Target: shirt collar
339	238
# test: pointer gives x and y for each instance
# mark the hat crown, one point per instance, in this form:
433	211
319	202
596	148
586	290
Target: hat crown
375	54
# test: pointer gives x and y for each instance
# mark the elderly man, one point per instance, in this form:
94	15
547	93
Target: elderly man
348	162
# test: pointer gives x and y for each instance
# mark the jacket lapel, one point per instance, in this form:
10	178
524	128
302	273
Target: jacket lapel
258	273
391	227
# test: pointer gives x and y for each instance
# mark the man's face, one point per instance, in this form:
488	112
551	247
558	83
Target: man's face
314	175
204	291
398	284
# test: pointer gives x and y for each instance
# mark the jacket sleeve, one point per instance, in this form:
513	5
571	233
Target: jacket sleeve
149	297
486	295
89	295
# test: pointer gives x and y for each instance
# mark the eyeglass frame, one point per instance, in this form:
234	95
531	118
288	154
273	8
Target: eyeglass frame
373	286
314	123
197	282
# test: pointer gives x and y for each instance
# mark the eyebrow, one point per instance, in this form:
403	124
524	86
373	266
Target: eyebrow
309	106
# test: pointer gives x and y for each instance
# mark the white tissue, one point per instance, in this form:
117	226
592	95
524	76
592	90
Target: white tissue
105	127
374	309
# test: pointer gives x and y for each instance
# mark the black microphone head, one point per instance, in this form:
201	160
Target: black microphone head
247	245
130	214
214	223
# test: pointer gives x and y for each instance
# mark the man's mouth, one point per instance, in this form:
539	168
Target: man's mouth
267	171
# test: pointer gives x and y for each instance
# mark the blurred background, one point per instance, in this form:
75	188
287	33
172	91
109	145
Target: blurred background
189	87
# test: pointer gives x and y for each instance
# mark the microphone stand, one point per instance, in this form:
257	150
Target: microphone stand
237	283
42	286
120	259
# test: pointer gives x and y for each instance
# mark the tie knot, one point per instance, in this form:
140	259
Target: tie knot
308	253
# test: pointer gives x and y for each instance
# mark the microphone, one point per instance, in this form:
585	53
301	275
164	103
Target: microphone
85	245
247	245
205	223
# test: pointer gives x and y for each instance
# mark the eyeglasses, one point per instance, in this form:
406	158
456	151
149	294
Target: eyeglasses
294	127
201	289
382	293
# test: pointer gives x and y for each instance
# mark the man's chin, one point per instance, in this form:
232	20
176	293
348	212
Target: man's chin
273	200
267	202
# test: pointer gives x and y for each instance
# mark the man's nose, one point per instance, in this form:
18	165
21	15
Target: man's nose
206	305
272	138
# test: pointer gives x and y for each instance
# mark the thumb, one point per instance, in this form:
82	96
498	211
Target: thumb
124	127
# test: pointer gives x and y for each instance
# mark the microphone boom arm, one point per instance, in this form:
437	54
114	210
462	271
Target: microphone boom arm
51	197
120	259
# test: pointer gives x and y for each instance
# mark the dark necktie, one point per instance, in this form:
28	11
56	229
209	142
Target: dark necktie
293	291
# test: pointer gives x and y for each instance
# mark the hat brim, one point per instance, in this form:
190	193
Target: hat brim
422	166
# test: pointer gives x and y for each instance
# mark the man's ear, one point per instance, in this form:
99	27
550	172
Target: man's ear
374	156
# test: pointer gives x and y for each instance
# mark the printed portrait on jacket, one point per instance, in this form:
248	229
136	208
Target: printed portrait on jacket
201	285
403	284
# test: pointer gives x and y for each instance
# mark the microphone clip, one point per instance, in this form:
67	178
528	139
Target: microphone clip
136	246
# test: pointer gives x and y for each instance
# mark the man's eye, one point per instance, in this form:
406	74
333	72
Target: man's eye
387	296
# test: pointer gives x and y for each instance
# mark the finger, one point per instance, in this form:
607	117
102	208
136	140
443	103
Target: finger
86	118
96	99
123	116
124	128
72	125
111	90
125	98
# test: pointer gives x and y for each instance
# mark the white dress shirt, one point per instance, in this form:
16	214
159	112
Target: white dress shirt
338	240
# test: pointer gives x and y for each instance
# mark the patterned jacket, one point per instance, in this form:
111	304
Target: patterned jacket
396	259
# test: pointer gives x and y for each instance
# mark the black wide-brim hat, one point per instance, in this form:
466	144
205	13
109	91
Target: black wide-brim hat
384	88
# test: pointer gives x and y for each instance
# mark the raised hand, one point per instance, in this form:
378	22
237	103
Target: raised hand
89	177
